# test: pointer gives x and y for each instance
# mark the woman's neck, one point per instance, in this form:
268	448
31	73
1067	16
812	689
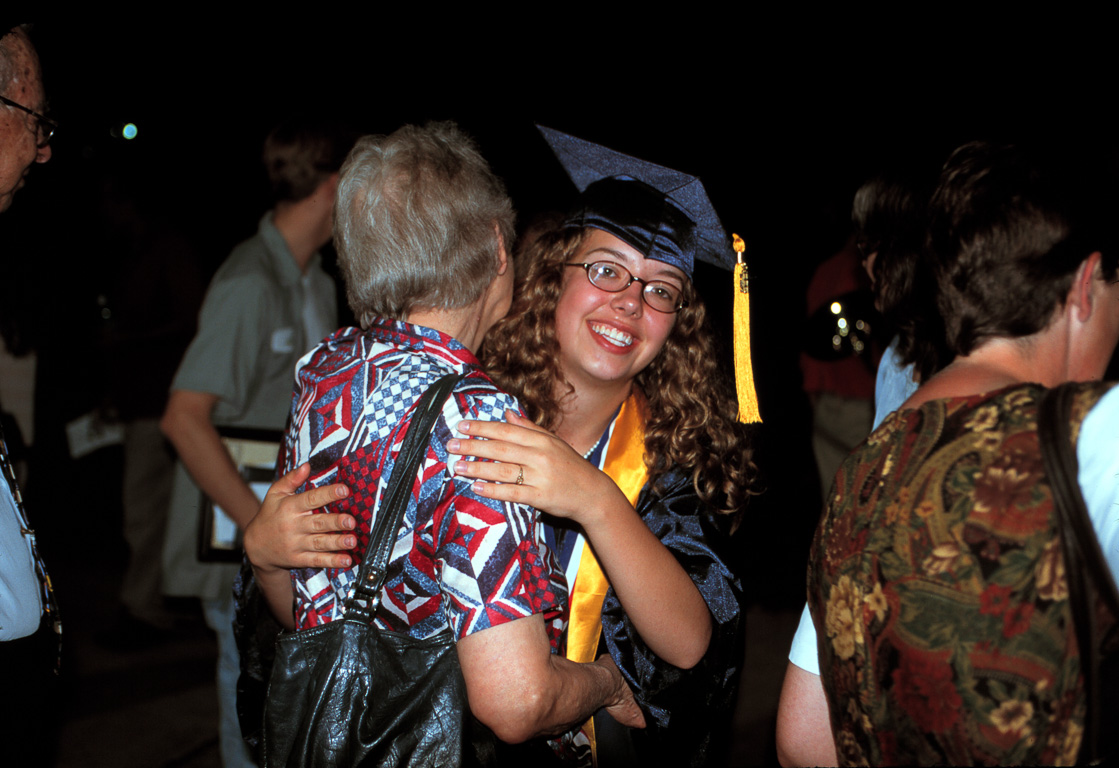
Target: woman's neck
996	364
585	416
463	325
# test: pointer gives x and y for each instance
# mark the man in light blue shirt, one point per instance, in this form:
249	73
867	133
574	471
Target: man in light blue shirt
28	619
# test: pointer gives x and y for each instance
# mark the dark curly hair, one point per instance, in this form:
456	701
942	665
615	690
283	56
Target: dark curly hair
690	405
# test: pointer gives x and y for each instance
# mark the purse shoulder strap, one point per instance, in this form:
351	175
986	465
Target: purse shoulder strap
1085	567
364	600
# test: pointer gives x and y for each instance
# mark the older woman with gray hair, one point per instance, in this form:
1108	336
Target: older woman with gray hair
422	228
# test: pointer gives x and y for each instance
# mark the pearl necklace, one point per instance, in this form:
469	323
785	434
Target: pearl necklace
594	447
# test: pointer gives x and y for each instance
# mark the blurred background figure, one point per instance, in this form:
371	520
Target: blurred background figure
266	306
941	593
889	215
838	357
153	290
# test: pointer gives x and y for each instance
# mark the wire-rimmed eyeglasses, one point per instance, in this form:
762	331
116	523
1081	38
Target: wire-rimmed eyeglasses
44	126
614	278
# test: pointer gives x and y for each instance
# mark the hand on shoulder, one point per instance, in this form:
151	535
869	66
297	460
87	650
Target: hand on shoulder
285	534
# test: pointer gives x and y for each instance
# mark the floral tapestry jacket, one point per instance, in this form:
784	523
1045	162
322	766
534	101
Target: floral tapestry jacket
937	583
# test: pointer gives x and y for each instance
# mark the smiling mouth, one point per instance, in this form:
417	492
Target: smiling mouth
613	335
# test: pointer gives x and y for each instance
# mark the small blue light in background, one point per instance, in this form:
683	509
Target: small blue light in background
129	131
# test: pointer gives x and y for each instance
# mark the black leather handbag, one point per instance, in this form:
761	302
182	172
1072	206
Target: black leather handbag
350	694
1090	585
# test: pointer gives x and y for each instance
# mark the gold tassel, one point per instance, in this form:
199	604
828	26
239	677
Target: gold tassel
748	411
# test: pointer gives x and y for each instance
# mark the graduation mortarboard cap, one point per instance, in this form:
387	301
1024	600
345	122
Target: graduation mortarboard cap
667	216
663	213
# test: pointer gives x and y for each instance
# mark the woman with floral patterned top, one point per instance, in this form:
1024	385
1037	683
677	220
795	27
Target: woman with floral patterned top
936	580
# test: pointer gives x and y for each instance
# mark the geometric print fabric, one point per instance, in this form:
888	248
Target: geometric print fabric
459	559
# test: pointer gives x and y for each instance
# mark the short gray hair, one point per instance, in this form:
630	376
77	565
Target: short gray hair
418	222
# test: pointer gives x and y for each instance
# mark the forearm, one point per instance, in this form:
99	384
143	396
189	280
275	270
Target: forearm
656	593
275	585
573	693
186	423
521	691
272	579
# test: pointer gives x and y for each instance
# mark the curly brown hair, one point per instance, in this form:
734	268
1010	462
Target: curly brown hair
688	397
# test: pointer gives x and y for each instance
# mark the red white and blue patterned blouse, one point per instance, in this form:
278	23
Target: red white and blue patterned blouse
460	559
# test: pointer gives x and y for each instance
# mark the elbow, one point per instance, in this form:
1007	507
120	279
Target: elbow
791	747
504	728
186	411
694	655
688	655
510	735
169	423
795	755
168	427
688	662
786	753
514	721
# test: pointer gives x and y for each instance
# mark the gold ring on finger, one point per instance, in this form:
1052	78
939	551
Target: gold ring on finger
521	476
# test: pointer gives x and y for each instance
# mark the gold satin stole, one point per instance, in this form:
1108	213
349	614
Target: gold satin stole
625	464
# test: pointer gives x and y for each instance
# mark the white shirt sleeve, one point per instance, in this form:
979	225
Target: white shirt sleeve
1097	451
803	653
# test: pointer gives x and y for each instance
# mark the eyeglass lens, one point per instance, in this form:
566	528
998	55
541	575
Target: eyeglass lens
661	296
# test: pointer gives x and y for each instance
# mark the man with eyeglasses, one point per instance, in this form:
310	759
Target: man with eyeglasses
25	132
29	625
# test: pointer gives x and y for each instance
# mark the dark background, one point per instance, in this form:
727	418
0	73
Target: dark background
782	115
